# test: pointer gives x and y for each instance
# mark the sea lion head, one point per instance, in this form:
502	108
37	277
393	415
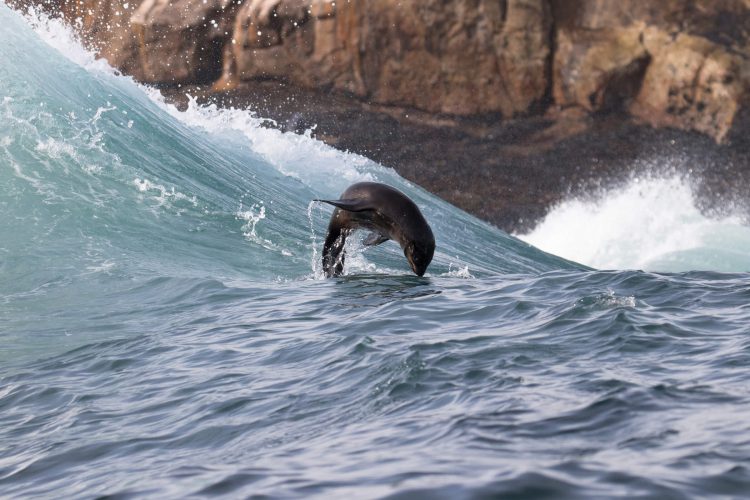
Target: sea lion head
419	254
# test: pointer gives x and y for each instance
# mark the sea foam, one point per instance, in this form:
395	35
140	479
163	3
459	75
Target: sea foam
651	223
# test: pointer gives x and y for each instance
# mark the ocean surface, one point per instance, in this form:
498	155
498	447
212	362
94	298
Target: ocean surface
166	331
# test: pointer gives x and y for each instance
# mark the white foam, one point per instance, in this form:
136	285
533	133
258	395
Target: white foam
316	265
56	149
103	267
162	195
650	224
302	157
252	216
100	111
458	271
56	33
608	299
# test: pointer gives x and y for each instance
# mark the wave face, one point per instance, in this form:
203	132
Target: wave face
166	330
106	188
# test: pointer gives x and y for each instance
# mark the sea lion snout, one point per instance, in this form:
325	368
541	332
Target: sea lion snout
419	256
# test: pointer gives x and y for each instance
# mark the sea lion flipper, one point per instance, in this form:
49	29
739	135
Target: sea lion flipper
333	251
375	238
350	205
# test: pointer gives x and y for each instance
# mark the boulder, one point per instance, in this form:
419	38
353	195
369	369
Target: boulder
692	84
456	57
181	41
599	70
668	63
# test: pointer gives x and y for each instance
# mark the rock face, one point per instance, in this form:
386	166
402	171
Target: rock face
457	57
668	63
181	41
693	84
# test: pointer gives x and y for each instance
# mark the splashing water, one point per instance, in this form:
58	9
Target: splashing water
651	224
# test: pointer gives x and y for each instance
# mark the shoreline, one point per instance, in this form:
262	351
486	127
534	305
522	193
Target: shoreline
509	173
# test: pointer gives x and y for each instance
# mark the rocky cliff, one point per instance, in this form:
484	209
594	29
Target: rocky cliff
676	63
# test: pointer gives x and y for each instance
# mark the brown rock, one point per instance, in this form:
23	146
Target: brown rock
323	8
669	63
458	59
181	41
265	38
466	57
692	84
599	70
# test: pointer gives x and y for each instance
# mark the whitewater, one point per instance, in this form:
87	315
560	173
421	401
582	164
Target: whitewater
166	330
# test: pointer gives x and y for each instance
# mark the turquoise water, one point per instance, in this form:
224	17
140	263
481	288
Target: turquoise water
165	329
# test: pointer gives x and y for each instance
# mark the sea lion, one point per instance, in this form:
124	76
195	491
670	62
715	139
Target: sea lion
385	211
